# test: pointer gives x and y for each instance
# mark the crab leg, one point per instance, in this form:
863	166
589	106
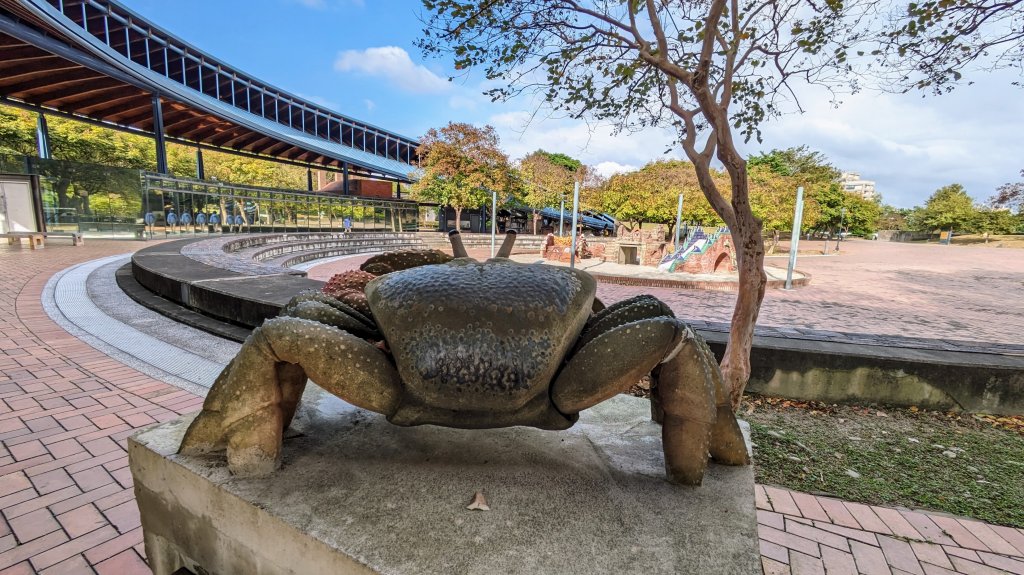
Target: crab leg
619	347
256	395
693	423
727	444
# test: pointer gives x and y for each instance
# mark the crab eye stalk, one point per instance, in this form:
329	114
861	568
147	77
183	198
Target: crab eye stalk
458	250
506	246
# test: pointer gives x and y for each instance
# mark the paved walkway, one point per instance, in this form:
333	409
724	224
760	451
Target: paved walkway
804	535
65	411
66	503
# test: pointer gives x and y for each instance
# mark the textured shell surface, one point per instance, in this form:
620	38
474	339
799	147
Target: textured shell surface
471	335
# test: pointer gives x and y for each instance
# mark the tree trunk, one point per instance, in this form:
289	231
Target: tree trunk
749	242
458	218
536	218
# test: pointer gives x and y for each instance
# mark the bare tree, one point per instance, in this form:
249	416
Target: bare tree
713	69
1010	196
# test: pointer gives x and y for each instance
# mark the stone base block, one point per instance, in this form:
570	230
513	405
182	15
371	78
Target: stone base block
356	494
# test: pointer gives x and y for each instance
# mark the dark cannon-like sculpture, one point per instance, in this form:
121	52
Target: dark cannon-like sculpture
461	343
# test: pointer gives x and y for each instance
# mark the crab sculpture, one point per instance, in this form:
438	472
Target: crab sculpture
467	344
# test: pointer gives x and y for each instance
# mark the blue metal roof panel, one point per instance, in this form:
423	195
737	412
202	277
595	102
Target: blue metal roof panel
588	221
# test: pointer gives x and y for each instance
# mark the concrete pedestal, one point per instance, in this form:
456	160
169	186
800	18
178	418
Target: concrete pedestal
358	495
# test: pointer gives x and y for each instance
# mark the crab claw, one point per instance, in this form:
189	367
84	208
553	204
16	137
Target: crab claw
506	246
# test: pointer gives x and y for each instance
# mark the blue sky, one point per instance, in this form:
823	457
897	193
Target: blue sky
358	57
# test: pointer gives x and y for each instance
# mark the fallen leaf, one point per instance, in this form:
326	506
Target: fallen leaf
479	503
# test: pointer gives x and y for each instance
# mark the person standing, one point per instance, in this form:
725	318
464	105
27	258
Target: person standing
347	224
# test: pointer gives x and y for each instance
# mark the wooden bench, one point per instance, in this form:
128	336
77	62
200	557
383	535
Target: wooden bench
35	239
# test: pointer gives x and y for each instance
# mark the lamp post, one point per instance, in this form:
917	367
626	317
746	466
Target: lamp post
794	237
842	219
494	218
561	216
575	213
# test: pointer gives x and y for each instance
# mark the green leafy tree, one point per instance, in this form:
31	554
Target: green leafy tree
792	168
651	194
546	179
17	132
892	218
949	208
461	165
811	168
997	221
773	197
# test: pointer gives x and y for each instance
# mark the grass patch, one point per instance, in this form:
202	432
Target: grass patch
993	241
892	456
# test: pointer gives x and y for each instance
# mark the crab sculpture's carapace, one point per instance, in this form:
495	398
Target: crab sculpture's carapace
461	343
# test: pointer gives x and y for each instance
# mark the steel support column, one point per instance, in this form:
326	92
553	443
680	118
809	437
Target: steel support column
158	135
200	167
43	137
344	178
309	179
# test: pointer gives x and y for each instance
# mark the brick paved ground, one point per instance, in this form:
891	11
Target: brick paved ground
65	411
66	503
802	535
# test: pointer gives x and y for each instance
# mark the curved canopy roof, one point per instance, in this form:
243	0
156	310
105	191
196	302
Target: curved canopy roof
97	60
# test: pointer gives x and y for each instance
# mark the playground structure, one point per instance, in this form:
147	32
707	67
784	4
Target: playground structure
702	253
699	253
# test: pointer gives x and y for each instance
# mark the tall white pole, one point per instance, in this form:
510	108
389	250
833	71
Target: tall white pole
575	213
561	216
679	220
494	218
794	240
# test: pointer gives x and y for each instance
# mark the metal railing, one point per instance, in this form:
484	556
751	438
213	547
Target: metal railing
148	46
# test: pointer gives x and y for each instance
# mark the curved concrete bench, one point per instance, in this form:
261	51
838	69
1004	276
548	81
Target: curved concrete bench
233	284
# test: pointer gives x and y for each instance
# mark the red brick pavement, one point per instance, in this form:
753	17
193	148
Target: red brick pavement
66	503
65	410
802	534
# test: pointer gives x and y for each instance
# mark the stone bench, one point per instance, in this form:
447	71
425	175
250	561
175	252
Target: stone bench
76	237
36	240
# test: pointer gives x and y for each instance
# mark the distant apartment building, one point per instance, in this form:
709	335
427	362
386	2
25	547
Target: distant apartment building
853	184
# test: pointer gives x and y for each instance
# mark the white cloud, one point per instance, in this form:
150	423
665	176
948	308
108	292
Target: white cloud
909	145
608	169
370	104
393	64
522	133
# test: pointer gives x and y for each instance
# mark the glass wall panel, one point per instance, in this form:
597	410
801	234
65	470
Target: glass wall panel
101	201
